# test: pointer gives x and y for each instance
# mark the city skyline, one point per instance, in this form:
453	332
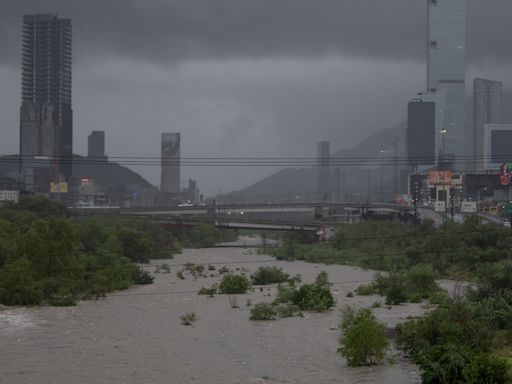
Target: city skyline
307	78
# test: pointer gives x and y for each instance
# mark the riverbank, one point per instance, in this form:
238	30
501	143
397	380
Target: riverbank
135	336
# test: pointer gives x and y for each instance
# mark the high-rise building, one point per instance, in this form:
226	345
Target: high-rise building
323	162
170	179
487	109
497	143
446	68
96	145
46	117
421	132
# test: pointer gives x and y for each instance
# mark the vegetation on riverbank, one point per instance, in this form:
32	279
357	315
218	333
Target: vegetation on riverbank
49	257
460	339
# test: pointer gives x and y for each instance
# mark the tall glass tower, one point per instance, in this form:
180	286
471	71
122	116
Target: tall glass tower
446	68
46	117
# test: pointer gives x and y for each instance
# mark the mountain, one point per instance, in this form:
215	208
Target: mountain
356	179
106	174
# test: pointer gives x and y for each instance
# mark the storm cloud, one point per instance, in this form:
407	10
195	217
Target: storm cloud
243	77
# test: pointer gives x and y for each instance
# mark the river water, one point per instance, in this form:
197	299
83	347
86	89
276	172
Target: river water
135	336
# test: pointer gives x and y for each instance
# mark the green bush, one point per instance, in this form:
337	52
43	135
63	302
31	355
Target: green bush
288	310
269	275
421	280
363	341
444	364
263	311
312	297
365	290
208	291
488	369
141	277
188	318
322	279
285	294
234	284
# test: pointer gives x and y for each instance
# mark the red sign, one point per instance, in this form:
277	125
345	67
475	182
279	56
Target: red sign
440	178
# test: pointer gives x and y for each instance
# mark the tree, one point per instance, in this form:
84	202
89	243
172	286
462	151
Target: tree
363	341
136	245
49	244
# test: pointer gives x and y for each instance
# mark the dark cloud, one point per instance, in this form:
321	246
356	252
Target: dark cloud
243	77
176	30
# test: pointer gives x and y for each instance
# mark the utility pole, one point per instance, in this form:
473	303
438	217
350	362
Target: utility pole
368	192
395	150
382	175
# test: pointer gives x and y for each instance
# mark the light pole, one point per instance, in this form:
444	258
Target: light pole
382	174
443	140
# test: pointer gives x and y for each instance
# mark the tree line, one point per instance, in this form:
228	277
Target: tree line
49	257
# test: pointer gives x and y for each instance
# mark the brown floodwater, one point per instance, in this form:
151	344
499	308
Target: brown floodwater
135	336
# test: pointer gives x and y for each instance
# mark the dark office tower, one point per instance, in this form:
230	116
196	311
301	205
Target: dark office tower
46	127
96	145
421	131
323	162
170	180
487	109
446	67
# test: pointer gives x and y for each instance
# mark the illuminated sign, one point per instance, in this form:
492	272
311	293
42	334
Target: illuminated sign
440	178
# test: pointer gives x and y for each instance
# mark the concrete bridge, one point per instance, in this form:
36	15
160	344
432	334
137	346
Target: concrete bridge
311	217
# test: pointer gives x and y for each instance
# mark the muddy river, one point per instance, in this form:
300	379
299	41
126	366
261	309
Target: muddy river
135	336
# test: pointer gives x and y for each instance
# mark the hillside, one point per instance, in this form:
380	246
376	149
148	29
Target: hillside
353	181
106	174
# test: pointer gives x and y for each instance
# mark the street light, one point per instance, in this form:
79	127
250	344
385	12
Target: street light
443	140
382	174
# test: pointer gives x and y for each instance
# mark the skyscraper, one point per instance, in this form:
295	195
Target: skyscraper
46	117
446	67
323	161
96	145
421	132
487	109
170	179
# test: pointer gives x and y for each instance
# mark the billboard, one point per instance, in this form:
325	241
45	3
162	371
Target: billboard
61	187
506	174
440	178
421	131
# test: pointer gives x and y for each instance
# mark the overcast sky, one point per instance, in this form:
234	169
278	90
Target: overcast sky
242	77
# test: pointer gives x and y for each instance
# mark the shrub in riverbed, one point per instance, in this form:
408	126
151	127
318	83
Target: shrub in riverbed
142	277
232	284
263	311
363	341
208	291
188	318
269	275
312	297
322	279
288	310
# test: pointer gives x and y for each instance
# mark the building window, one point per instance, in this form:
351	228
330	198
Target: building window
433	2
433	44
